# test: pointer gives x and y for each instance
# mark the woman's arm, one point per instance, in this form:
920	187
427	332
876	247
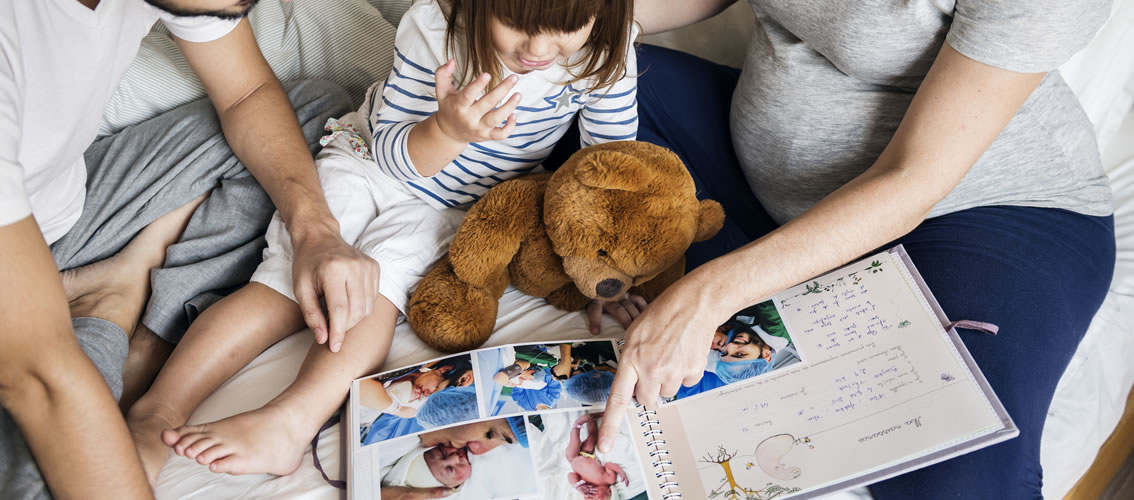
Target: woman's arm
657	16
960	108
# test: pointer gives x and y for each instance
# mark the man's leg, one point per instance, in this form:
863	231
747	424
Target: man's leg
1040	275
134	179
144	172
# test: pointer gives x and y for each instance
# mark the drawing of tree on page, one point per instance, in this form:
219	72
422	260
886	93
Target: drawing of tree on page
730	489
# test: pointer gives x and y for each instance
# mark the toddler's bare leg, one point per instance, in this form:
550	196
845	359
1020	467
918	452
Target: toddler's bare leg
272	439
228	336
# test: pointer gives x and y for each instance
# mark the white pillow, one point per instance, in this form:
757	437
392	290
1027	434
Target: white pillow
348	42
1102	75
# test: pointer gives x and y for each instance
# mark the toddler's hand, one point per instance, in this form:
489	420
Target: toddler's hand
624	311
466	116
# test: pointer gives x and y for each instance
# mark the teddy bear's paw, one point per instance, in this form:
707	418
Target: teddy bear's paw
568	298
449	314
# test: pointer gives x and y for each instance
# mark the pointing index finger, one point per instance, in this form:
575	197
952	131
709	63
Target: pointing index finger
616	405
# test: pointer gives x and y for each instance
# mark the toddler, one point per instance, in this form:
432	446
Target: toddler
510	77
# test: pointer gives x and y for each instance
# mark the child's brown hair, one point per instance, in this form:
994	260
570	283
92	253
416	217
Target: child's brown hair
468	36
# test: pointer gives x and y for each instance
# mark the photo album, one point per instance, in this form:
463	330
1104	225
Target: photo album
860	362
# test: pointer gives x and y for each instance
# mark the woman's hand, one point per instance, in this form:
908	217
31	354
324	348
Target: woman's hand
665	348
465	116
623	311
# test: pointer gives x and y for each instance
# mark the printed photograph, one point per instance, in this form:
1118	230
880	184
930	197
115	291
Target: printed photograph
539	377
478	461
564	447
751	343
422	397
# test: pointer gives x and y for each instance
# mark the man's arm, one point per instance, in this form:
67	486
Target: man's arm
59	400
262	129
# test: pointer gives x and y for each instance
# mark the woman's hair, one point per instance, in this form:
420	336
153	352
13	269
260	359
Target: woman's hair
459	368
468	37
591	387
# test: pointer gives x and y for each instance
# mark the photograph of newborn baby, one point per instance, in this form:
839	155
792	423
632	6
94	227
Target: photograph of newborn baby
477	461
570	465
537	377
751	343
426	396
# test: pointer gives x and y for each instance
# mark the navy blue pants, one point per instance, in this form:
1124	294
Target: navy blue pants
1040	274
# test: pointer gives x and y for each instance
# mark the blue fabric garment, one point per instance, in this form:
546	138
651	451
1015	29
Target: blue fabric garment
708	382
1040	274
389	426
529	399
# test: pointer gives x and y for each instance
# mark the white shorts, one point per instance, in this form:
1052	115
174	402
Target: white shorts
377	215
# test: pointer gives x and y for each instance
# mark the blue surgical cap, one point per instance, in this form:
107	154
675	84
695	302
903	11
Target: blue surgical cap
591	387
740	370
449	406
519	429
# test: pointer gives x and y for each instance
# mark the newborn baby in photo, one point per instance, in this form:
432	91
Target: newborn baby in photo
589	475
429	468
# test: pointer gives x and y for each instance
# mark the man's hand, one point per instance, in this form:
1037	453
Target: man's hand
327	268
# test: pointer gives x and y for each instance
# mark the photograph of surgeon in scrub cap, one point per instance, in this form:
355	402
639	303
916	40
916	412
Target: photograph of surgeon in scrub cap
751	343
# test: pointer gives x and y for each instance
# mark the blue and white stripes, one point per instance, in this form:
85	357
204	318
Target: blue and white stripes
547	108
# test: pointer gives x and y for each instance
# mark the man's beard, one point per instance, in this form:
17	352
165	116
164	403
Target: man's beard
244	6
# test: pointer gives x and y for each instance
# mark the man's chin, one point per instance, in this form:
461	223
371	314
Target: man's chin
239	11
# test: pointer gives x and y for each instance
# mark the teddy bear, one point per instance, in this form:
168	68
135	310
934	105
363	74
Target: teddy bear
615	218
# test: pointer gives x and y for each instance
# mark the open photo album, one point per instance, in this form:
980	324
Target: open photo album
844	380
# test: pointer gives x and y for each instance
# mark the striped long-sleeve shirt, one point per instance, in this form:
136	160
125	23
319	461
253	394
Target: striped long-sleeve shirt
408	96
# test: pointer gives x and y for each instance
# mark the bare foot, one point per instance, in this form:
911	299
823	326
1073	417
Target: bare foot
147	354
146	424
269	440
116	288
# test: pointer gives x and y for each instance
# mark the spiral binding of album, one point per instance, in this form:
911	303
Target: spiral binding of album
655	446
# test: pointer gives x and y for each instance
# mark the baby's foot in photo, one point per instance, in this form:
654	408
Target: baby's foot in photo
269	440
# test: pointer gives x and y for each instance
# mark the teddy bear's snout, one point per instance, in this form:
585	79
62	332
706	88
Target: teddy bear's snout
608	288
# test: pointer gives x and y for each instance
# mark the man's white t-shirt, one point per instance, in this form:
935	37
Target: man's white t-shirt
59	65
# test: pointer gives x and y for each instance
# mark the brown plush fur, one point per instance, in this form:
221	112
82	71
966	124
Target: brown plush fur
615	218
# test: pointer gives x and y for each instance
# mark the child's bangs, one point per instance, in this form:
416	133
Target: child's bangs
542	16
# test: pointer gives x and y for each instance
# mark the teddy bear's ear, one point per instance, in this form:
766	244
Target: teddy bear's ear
614	170
710	218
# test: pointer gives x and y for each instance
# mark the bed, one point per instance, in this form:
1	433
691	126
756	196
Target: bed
1089	401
